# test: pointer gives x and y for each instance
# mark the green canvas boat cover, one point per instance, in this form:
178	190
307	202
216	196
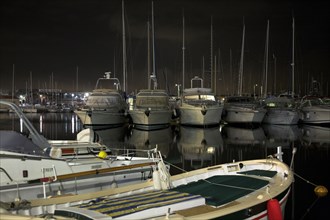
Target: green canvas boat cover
219	190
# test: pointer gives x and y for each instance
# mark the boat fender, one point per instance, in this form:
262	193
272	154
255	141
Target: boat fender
164	176
156	179
274	210
102	154
55	152
85	135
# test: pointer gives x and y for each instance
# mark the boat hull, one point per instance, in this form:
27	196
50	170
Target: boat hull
200	116
281	117
37	177
243	115
315	115
101	118
150	119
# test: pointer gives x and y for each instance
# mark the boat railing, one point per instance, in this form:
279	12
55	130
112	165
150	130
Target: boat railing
198	102
47	179
7	174
37	138
108	82
151	153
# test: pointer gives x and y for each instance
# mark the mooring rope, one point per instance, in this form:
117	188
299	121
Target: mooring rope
309	208
322	193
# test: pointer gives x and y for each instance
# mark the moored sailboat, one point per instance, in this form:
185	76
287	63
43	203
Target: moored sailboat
151	109
314	110
243	109
281	111
105	106
199	106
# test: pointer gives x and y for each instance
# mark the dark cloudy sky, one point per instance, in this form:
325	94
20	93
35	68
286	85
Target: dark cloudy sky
48	37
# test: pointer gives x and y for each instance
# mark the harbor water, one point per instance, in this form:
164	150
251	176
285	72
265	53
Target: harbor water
189	148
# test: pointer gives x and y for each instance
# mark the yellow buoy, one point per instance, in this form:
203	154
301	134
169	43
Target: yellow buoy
321	191
102	154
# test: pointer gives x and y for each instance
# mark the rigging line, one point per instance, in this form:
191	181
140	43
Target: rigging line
296	174
309	208
307	181
179	168
218	184
234	187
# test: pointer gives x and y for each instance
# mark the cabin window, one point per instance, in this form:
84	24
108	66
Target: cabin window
151	101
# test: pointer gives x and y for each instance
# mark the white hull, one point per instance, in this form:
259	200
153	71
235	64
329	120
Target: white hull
235	114
315	114
281	116
151	109
30	173
199	116
101	117
149	119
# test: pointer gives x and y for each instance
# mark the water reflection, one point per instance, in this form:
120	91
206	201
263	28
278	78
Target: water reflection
149	139
281	135
112	137
243	143
242	135
199	147
51	125
315	135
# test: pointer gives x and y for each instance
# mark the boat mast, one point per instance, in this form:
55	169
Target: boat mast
211	53
232	90
292	64
77	79
13	85
124	49
31	88
266	59
153	75
114	64
183	52
148	71
240	75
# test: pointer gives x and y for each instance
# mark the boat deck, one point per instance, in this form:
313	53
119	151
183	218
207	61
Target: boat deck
203	194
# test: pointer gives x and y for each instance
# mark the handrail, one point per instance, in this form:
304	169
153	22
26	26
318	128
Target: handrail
37	138
3	170
93	172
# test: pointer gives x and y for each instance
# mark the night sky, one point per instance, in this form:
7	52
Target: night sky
49	37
